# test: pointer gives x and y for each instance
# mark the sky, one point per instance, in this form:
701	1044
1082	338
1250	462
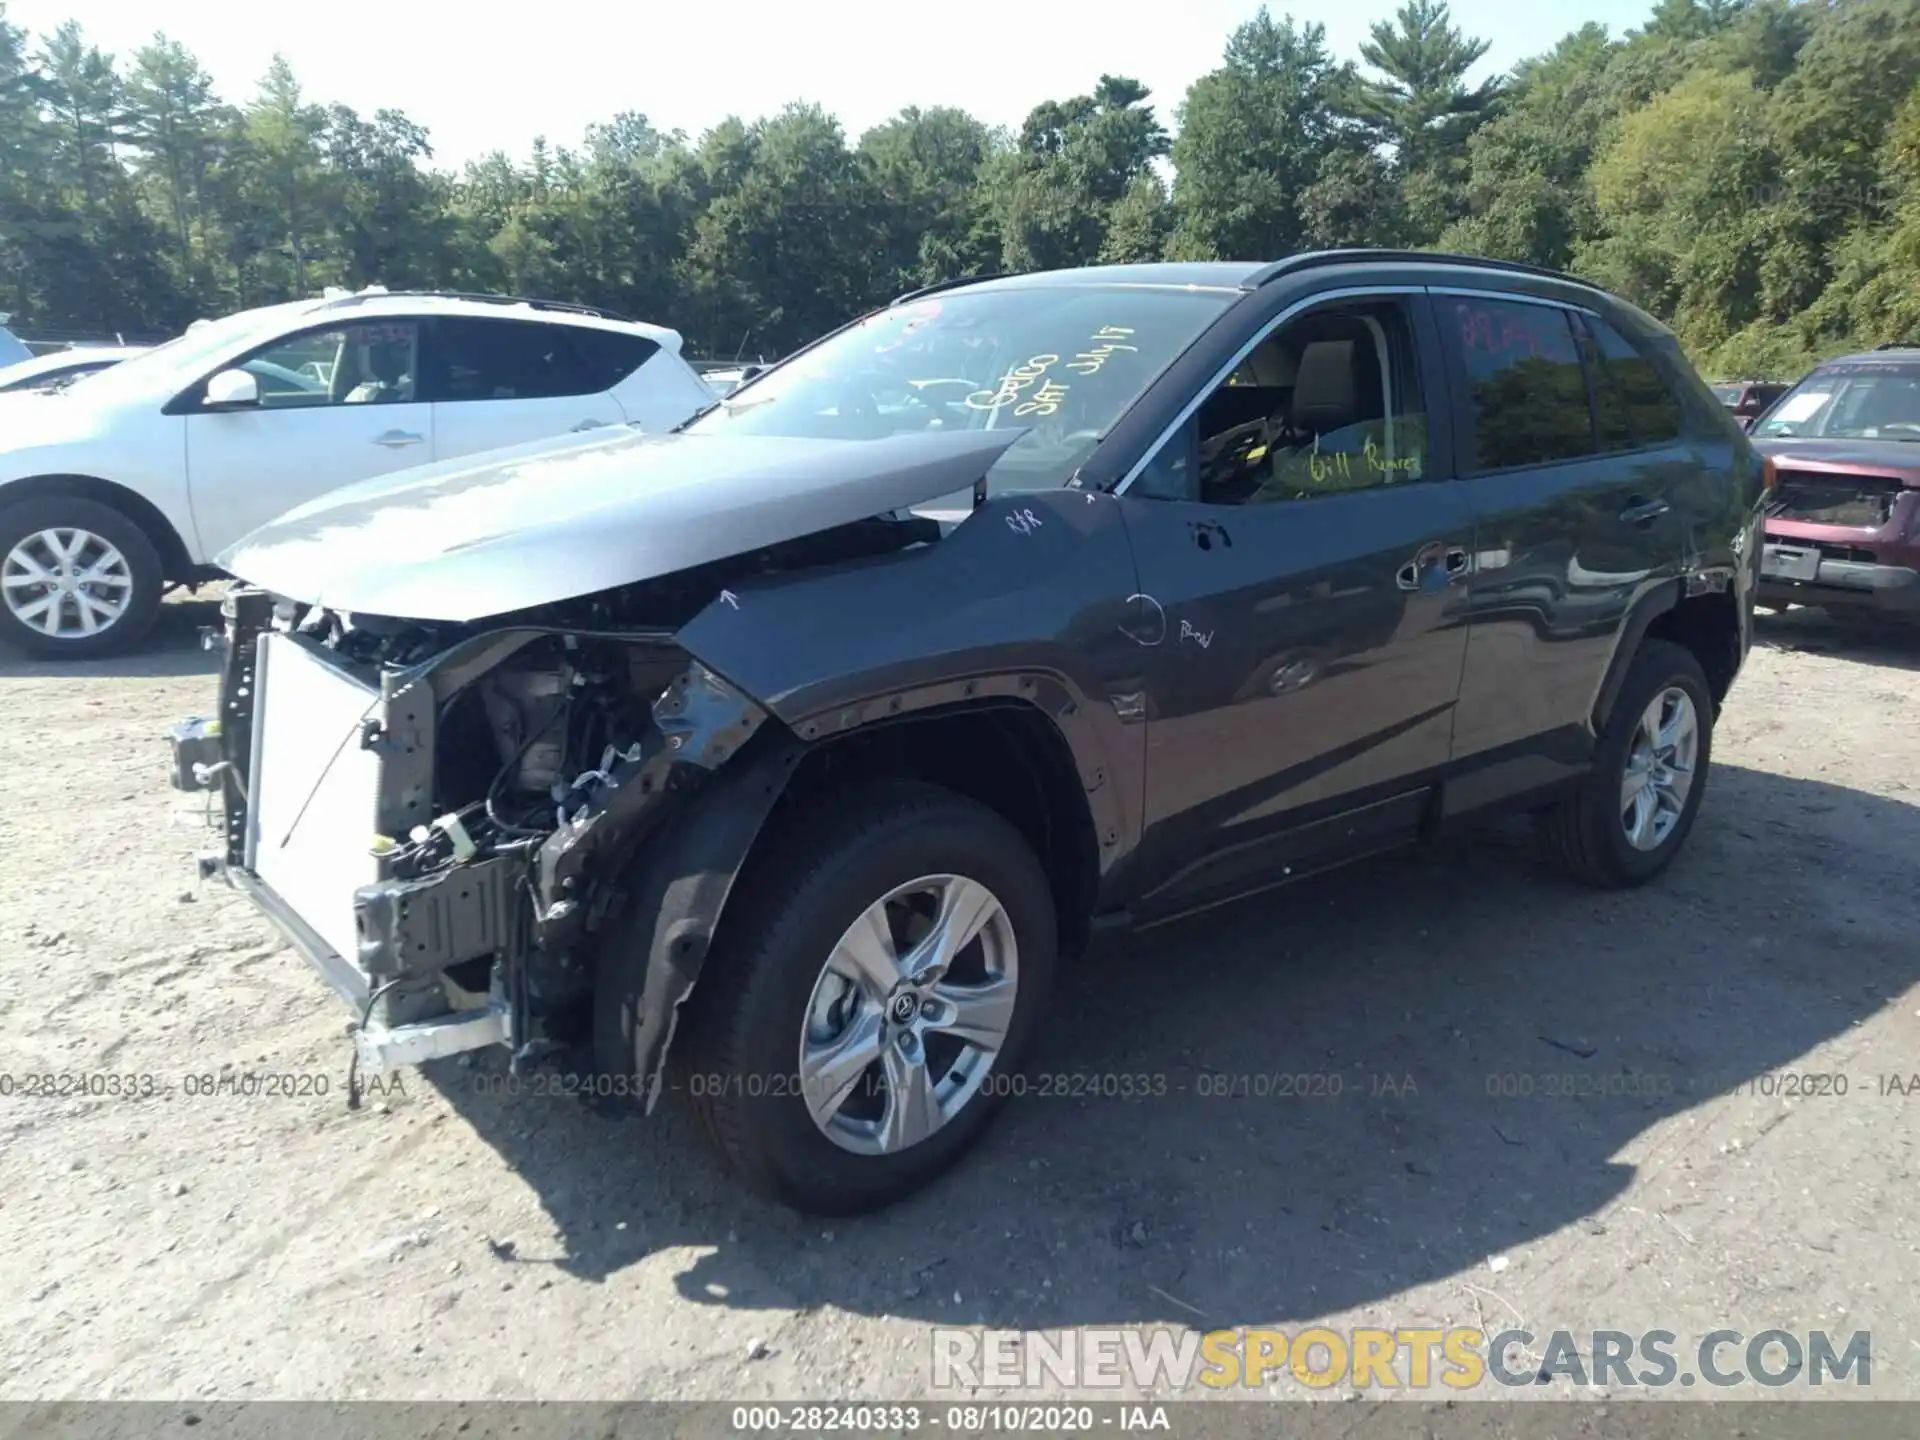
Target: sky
481	79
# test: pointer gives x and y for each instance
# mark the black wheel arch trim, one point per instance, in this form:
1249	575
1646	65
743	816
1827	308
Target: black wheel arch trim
685	872
678	893
1656	601
1054	697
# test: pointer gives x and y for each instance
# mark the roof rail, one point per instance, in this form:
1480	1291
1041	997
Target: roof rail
559	305
1314	259
950	284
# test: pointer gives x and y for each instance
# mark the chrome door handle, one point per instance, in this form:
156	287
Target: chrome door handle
394	439
1643	512
588	425
1431	564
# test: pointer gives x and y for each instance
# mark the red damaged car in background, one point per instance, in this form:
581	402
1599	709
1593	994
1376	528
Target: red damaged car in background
1747	399
1843	525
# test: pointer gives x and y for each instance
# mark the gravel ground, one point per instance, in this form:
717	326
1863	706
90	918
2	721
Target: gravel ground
448	1242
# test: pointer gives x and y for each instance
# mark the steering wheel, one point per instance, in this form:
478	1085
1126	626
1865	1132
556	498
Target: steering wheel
954	411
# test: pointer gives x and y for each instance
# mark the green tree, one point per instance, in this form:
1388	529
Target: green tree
172	122
926	165
1680	196
1254	136
1528	193
1748	169
1692	19
1053	195
787	252
384	222
81	93
283	136
1422	111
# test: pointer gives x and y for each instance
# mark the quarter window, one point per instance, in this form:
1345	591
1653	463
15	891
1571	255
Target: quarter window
603	358
1526	388
1632	402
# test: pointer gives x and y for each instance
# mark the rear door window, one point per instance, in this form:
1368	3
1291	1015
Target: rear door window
1525	386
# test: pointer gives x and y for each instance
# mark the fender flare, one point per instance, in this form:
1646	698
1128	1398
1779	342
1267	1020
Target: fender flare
1655	602
1114	813
649	959
646	966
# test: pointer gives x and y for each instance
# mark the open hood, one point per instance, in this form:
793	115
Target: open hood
466	539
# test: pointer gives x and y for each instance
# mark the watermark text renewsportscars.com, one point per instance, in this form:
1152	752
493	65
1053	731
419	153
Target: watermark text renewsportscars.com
1159	1360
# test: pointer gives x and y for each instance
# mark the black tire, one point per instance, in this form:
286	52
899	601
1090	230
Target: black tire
747	1013
59	512
1585	830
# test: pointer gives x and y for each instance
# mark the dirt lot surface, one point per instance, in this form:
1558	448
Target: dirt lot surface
451	1242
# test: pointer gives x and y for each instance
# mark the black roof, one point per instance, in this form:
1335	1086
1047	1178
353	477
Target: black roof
1228	275
1238	275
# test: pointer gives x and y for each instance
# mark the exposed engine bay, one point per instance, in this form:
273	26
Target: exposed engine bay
513	767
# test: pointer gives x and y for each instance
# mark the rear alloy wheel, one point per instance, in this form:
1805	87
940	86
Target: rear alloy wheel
887	964
76	578
1630	816
1660	769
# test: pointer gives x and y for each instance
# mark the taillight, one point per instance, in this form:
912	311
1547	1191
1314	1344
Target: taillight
1769	473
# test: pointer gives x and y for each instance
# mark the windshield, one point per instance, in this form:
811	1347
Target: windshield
1854	400
1060	362
182	356
1726	394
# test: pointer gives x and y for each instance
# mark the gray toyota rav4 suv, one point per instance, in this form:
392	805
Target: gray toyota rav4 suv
806	741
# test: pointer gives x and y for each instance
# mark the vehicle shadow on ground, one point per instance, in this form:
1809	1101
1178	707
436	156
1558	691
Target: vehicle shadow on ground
1891	643
1413	986
171	648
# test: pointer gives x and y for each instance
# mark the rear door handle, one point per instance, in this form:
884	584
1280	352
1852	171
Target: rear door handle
1643	512
395	439
588	425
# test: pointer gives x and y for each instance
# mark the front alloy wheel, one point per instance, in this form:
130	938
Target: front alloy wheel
908	1015
78	579
881	964
66	583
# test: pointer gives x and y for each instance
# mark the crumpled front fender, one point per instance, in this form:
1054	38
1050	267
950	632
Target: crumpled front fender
649	957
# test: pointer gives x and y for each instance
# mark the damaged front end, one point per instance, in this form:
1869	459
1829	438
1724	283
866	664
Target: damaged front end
445	820
476	822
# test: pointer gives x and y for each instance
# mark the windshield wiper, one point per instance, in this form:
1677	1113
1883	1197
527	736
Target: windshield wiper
700	414
729	405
